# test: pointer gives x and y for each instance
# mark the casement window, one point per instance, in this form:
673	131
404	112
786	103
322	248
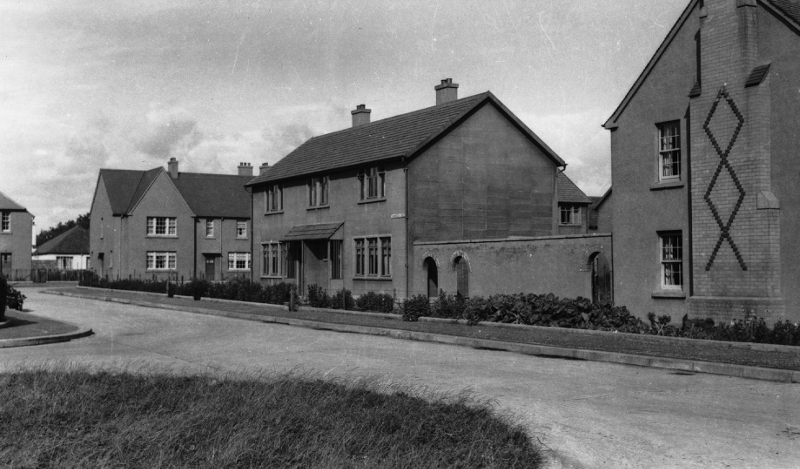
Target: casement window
241	229
318	191
64	262
570	214
336	259
373	183
6	223
669	151
161	260
238	261
271	265
671	245
209	228
373	256
5	261
162	226
273	198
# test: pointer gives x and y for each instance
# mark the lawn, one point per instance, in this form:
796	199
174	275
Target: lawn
83	418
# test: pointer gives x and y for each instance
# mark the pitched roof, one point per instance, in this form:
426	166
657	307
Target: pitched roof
569	192
395	137
592	215
317	231
788	8
73	241
125	187
9	204
215	195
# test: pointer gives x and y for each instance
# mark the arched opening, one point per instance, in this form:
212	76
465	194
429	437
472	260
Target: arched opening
462	276
433	277
601	279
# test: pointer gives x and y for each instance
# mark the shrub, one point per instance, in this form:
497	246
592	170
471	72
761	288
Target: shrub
416	307
378	302
448	306
317	297
343	299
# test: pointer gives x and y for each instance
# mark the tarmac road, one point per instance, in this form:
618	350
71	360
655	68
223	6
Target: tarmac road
593	415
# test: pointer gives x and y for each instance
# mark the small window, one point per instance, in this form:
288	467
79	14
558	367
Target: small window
318	191
570	214
373	183
238	261
271	260
209	228
336	259
161	260
386	257
373	257
669	151
359	257
64	262
6	226
241	229
273	198
162	226
372	253
671	245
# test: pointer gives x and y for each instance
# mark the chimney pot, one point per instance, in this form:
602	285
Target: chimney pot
263	169
361	115
446	91
172	167
245	169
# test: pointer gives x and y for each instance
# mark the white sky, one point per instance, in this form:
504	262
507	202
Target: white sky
87	84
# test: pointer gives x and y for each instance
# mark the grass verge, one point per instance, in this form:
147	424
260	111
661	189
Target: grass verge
82	418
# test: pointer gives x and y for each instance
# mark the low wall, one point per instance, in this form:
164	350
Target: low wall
554	264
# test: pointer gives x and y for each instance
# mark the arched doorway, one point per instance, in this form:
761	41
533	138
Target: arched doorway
601	279
433	277
462	276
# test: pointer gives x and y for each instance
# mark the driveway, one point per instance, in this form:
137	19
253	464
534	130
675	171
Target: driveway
591	414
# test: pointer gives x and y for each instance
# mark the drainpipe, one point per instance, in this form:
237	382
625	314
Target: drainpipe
252	230
409	252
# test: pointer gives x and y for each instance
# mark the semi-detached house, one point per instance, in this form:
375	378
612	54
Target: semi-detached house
161	223
16	228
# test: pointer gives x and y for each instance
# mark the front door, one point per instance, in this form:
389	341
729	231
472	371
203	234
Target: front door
211	267
433	278
601	280
5	263
315	263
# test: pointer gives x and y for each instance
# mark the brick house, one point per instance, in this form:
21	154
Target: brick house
704	170
437	198
16	230
156	223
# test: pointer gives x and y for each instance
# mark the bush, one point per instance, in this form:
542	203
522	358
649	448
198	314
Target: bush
317	297
378	302
343	299
416	307
448	306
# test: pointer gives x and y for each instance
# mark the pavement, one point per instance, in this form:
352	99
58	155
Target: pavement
744	360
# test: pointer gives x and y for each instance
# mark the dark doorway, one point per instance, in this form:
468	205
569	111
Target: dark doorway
462	277
315	264
5	262
433	278
601	279
211	267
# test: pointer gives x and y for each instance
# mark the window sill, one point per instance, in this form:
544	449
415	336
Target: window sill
240	239
162	236
570	224
161	271
273	277
669	184
238	270
679	294
387	279
276	212
319	207
372	201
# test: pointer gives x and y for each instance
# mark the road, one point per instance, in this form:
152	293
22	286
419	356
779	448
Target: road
593	415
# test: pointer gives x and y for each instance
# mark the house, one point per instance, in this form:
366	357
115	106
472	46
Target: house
16	232
67	251
461	197
573	207
600	220
160	223
704	167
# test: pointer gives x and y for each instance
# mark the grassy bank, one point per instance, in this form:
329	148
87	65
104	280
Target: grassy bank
78	418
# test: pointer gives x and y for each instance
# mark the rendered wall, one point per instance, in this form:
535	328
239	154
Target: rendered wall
18	240
103	233
223	242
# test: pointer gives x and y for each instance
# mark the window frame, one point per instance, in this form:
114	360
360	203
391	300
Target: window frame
672	150
317	191
373	257
210	224
170	259
671	279
273	198
272	261
372	179
169	226
233	261
5	224
64	262
574	212
241	231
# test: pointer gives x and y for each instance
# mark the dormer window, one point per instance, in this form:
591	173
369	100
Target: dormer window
373	183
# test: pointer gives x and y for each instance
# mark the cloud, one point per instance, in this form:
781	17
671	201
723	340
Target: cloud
169	131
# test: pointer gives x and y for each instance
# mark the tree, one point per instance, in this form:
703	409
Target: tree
50	233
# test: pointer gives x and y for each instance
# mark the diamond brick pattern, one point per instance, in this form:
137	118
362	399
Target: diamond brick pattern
724	225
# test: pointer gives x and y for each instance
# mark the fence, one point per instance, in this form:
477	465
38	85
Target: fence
44	275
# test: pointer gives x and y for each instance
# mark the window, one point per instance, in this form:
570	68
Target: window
241	229
64	262
272	260
6	222
672	261
102	227
570	214
336	259
5	261
318	191
373	183
669	150
162	226
161	260
209	228
273	198
373	256
238	261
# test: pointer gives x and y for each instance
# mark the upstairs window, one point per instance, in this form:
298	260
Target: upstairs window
671	260
669	151
373	183
273	198
241	229
209	228
318	191
162	226
6	224
570	214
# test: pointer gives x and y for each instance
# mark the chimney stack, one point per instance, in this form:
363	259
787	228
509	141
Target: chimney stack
360	115
446	92
262	170
172	167
245	169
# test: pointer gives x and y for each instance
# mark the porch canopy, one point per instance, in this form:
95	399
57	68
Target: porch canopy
311	232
